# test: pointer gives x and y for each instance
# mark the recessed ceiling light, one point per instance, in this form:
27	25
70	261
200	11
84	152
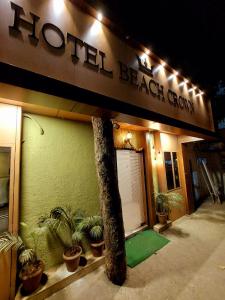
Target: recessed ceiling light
99	16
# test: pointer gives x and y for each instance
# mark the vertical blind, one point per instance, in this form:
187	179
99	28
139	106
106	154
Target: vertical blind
130	170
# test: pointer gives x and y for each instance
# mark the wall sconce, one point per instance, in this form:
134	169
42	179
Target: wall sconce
116	125
127	139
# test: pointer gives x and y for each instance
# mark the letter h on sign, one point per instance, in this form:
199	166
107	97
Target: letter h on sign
18	22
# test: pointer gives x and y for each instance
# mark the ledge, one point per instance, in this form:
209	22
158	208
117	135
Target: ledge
161	227
59	277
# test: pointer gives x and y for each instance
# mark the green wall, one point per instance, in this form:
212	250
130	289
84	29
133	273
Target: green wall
58	169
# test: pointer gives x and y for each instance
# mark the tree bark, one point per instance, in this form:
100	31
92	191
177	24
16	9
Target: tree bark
110	200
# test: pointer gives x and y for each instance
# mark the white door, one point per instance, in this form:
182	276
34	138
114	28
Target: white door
130	168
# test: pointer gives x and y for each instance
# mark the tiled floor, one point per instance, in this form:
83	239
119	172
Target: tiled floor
190	267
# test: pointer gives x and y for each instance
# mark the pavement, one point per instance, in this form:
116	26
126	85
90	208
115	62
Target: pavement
190	267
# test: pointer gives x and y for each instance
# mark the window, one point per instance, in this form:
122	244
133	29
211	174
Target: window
172	174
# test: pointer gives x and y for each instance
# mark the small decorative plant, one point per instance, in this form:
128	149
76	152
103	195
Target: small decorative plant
30	268
92	226
63	225
165	202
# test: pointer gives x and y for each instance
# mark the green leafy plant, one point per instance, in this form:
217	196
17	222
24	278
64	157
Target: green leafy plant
166	201
27	256
63	224
9	241
29	267
96	233
92	226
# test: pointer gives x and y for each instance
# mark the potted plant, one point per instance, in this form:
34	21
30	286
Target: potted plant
165	202
63	225
92	226
31	268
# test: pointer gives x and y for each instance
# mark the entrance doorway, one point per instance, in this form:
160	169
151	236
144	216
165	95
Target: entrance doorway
131	179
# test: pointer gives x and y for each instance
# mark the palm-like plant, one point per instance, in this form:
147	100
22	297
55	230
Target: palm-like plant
61	220
96	233
30	269
9	241
92	226
165	201
62	223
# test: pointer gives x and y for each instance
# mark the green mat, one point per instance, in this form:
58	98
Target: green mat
143	245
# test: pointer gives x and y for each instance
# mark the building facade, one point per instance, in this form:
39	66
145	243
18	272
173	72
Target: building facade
59	67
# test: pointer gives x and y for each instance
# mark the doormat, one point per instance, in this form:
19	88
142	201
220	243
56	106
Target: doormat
143	245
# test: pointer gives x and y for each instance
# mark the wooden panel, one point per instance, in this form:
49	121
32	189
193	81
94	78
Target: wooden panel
160	163
149	182
5	267
10	136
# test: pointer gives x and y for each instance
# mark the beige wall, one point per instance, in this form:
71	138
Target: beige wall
19	51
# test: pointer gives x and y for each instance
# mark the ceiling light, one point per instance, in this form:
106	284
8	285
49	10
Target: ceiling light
99	16
163	63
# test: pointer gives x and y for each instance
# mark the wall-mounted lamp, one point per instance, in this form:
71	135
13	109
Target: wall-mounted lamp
116	125
127	139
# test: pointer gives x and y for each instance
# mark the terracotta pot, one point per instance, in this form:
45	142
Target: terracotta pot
162	218
32	281
72	262
97	248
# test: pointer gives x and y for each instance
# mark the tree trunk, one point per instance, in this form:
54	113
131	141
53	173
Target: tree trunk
110	200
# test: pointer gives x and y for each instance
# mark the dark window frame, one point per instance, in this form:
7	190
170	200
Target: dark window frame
175	170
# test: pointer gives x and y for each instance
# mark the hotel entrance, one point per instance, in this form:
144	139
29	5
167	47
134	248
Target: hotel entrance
79	69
